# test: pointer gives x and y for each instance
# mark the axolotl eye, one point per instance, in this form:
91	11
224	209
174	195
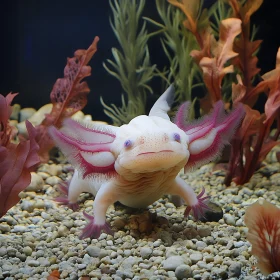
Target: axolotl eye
127	143
177	137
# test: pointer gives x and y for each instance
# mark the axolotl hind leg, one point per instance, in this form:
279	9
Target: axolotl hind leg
196	204
72	190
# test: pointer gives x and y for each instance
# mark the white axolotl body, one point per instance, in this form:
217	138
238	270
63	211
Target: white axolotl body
139	162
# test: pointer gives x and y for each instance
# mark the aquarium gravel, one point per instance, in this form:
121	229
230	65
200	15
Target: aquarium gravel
39	236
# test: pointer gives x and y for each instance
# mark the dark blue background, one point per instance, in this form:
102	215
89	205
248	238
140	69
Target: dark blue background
38	35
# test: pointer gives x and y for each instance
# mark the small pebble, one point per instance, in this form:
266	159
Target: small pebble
229	219
204	230
195	257
5	228
36	183
53	180
27	251
33	263
3	251
145	252
183	271
93	251
200	245
20	228
234	269
172	263
27	205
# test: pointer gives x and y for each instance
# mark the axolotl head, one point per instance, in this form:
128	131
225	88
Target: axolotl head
150	143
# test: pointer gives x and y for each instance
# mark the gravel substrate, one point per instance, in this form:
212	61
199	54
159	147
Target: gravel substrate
39	236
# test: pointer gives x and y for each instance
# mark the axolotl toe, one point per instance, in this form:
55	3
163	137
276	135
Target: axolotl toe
137	163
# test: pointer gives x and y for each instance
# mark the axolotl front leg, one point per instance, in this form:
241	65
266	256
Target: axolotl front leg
105	195
195	204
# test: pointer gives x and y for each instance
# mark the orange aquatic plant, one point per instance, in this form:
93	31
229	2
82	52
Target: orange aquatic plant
213	55
235	51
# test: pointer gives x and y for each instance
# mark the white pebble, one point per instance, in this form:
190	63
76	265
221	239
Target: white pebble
229	219
145	252
172	263
195	257
36	183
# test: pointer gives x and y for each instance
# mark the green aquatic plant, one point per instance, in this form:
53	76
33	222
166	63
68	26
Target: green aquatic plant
131	65
177	43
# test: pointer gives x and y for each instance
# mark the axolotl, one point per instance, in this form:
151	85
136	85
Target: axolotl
137	163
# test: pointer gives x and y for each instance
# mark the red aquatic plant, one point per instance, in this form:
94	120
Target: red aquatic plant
253	141
16	160
246	48
68	96
263	222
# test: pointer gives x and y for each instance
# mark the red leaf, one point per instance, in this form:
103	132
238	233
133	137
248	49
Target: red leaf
5	112
70	89
251	123
247	60
244	46
263	222
69	95
16	160
272	104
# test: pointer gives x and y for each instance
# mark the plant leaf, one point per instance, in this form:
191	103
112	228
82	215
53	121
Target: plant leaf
190	8
263	222
214	68
68	95
251	123
16	160
272	104
238	90
249	8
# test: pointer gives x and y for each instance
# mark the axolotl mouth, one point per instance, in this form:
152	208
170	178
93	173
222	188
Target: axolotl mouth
149	153
151	161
